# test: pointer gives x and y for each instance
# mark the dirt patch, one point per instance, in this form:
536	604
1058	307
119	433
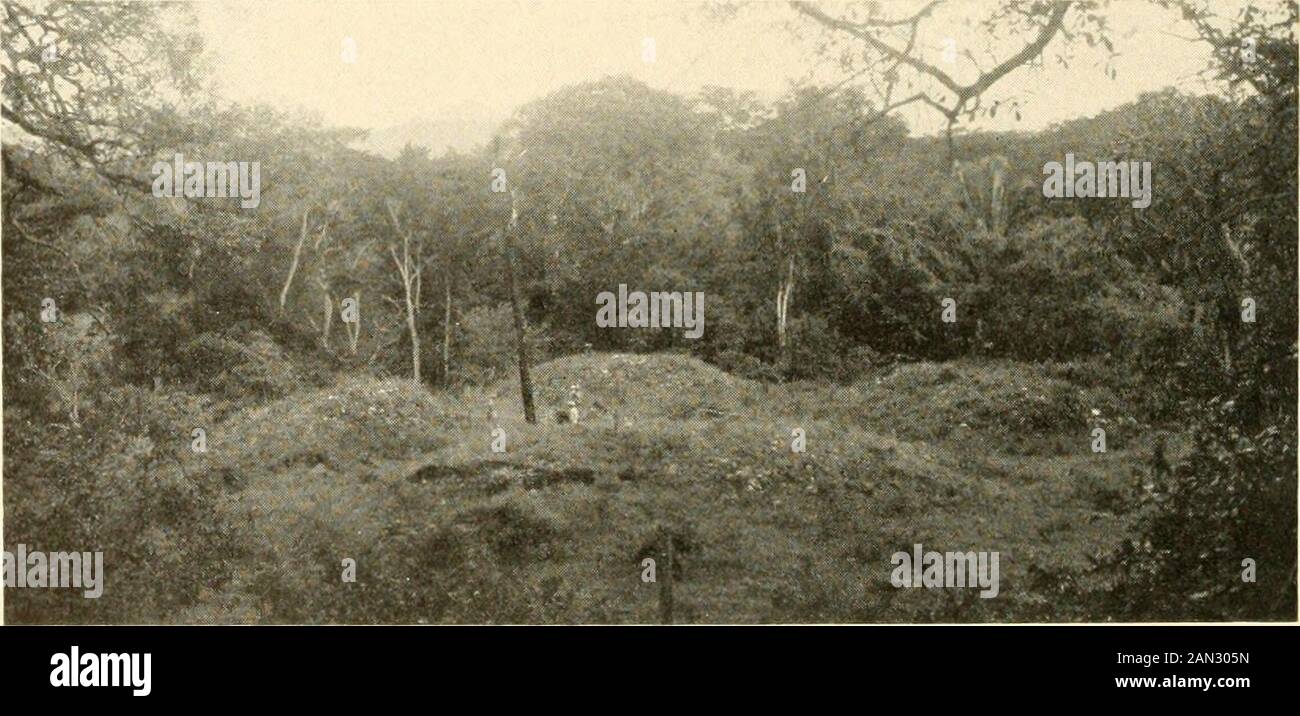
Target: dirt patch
494	476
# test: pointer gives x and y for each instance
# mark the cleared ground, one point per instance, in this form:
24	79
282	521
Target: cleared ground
957	456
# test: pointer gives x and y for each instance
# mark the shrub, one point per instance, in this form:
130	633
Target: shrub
114	488
243	366
1233	498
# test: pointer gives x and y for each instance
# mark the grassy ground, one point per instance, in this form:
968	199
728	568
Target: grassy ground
957	456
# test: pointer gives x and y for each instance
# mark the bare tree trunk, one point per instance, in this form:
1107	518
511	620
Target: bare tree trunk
780	316
525	381
297	254
947	135
783	293
780	295
1243	265
521	343
354	329
419	279
446	330
415	339
404	268
329	319
410	280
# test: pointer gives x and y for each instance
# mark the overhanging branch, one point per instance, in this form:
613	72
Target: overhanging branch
964	92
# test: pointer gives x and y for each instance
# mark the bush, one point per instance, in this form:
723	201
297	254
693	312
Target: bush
1233	498
747	365
1050	292
251	365
467	566
121	487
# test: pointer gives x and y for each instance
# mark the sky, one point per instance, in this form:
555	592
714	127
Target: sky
424	59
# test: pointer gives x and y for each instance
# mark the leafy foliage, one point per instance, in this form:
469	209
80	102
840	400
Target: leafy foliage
824	306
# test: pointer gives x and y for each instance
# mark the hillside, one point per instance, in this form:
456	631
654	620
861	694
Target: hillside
553	530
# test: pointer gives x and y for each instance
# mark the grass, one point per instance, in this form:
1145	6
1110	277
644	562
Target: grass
960	456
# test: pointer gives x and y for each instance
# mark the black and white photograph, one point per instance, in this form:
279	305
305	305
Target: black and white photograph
583	312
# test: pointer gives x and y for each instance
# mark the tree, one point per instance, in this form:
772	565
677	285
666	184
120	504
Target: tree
461	220
1223	229
517	312
410	268
98	83
797	157
889	50
613	173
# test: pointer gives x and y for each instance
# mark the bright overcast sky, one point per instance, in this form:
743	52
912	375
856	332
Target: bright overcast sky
418	59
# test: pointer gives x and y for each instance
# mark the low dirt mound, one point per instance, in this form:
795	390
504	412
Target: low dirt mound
931	400
663	385
355	421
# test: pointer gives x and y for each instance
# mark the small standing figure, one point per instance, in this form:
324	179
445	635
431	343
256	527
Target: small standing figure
575	397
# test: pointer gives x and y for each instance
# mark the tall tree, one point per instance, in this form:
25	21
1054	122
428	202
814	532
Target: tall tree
517	312
797	156
409	264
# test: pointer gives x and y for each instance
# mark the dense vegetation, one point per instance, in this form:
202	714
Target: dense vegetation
370	440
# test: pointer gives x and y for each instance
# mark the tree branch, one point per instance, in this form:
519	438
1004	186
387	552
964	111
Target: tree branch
964	92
